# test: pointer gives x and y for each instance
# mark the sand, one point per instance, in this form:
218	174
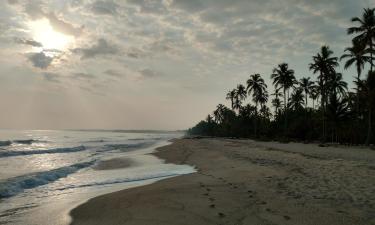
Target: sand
247	182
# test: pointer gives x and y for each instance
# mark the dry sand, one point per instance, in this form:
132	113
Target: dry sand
249	183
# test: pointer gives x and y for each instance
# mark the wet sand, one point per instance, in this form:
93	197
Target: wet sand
247	182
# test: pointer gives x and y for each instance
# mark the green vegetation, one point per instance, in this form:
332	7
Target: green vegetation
336	114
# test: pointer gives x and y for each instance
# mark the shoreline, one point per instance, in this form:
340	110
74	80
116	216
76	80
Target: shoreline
246	182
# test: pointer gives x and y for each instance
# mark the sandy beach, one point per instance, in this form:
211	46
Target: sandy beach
247	182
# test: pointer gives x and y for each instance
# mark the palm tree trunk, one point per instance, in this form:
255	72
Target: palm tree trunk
256	119
371	59
285	113
369	130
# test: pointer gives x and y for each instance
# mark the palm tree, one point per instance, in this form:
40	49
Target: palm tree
296	100
314	94
337	85
276	101
219	113
306	85
256	87
265	112
337	112
365	31
231	96
241	92
356	54
324	64
284	77
239	95
370	92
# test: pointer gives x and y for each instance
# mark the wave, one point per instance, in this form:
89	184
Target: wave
26	141
47	151
5	143
125	180
128	146
20	141
16	185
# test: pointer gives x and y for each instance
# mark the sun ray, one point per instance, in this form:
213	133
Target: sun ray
44	33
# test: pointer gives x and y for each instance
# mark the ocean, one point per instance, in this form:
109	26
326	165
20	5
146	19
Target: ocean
46	173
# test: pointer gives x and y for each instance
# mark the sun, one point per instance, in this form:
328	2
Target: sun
43	32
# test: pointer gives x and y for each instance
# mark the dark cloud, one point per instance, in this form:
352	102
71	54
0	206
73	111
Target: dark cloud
26	41
40	60
102	47
104	8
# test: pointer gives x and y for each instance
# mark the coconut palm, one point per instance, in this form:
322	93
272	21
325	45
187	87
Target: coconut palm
219	113
241	92
370	93
306	85
276	102
265	112
296	99
324	64
337	85
314	94
337	112
257	88
283	77
365	31
231	96
356	55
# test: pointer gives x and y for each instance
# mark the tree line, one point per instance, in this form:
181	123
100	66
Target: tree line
335	113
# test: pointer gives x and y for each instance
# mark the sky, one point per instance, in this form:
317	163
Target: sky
147	64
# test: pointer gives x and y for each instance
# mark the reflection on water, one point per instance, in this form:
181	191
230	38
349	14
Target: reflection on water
42	188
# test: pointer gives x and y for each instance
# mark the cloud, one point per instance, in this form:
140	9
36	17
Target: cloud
40	60
102	47
83	76
104	8
37	10
30	42
113	73
51	77
63	26
148	73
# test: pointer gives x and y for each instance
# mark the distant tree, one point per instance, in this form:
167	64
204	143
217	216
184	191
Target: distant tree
219	113
324	64
284	78
356	55
296	99
365	31
314	94
307	86
337	112
257	88
337	85
370	93
231	96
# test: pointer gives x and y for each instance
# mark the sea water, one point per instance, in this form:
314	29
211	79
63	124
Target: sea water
46	173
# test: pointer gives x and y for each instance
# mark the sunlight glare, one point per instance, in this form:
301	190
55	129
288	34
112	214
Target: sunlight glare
44	33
